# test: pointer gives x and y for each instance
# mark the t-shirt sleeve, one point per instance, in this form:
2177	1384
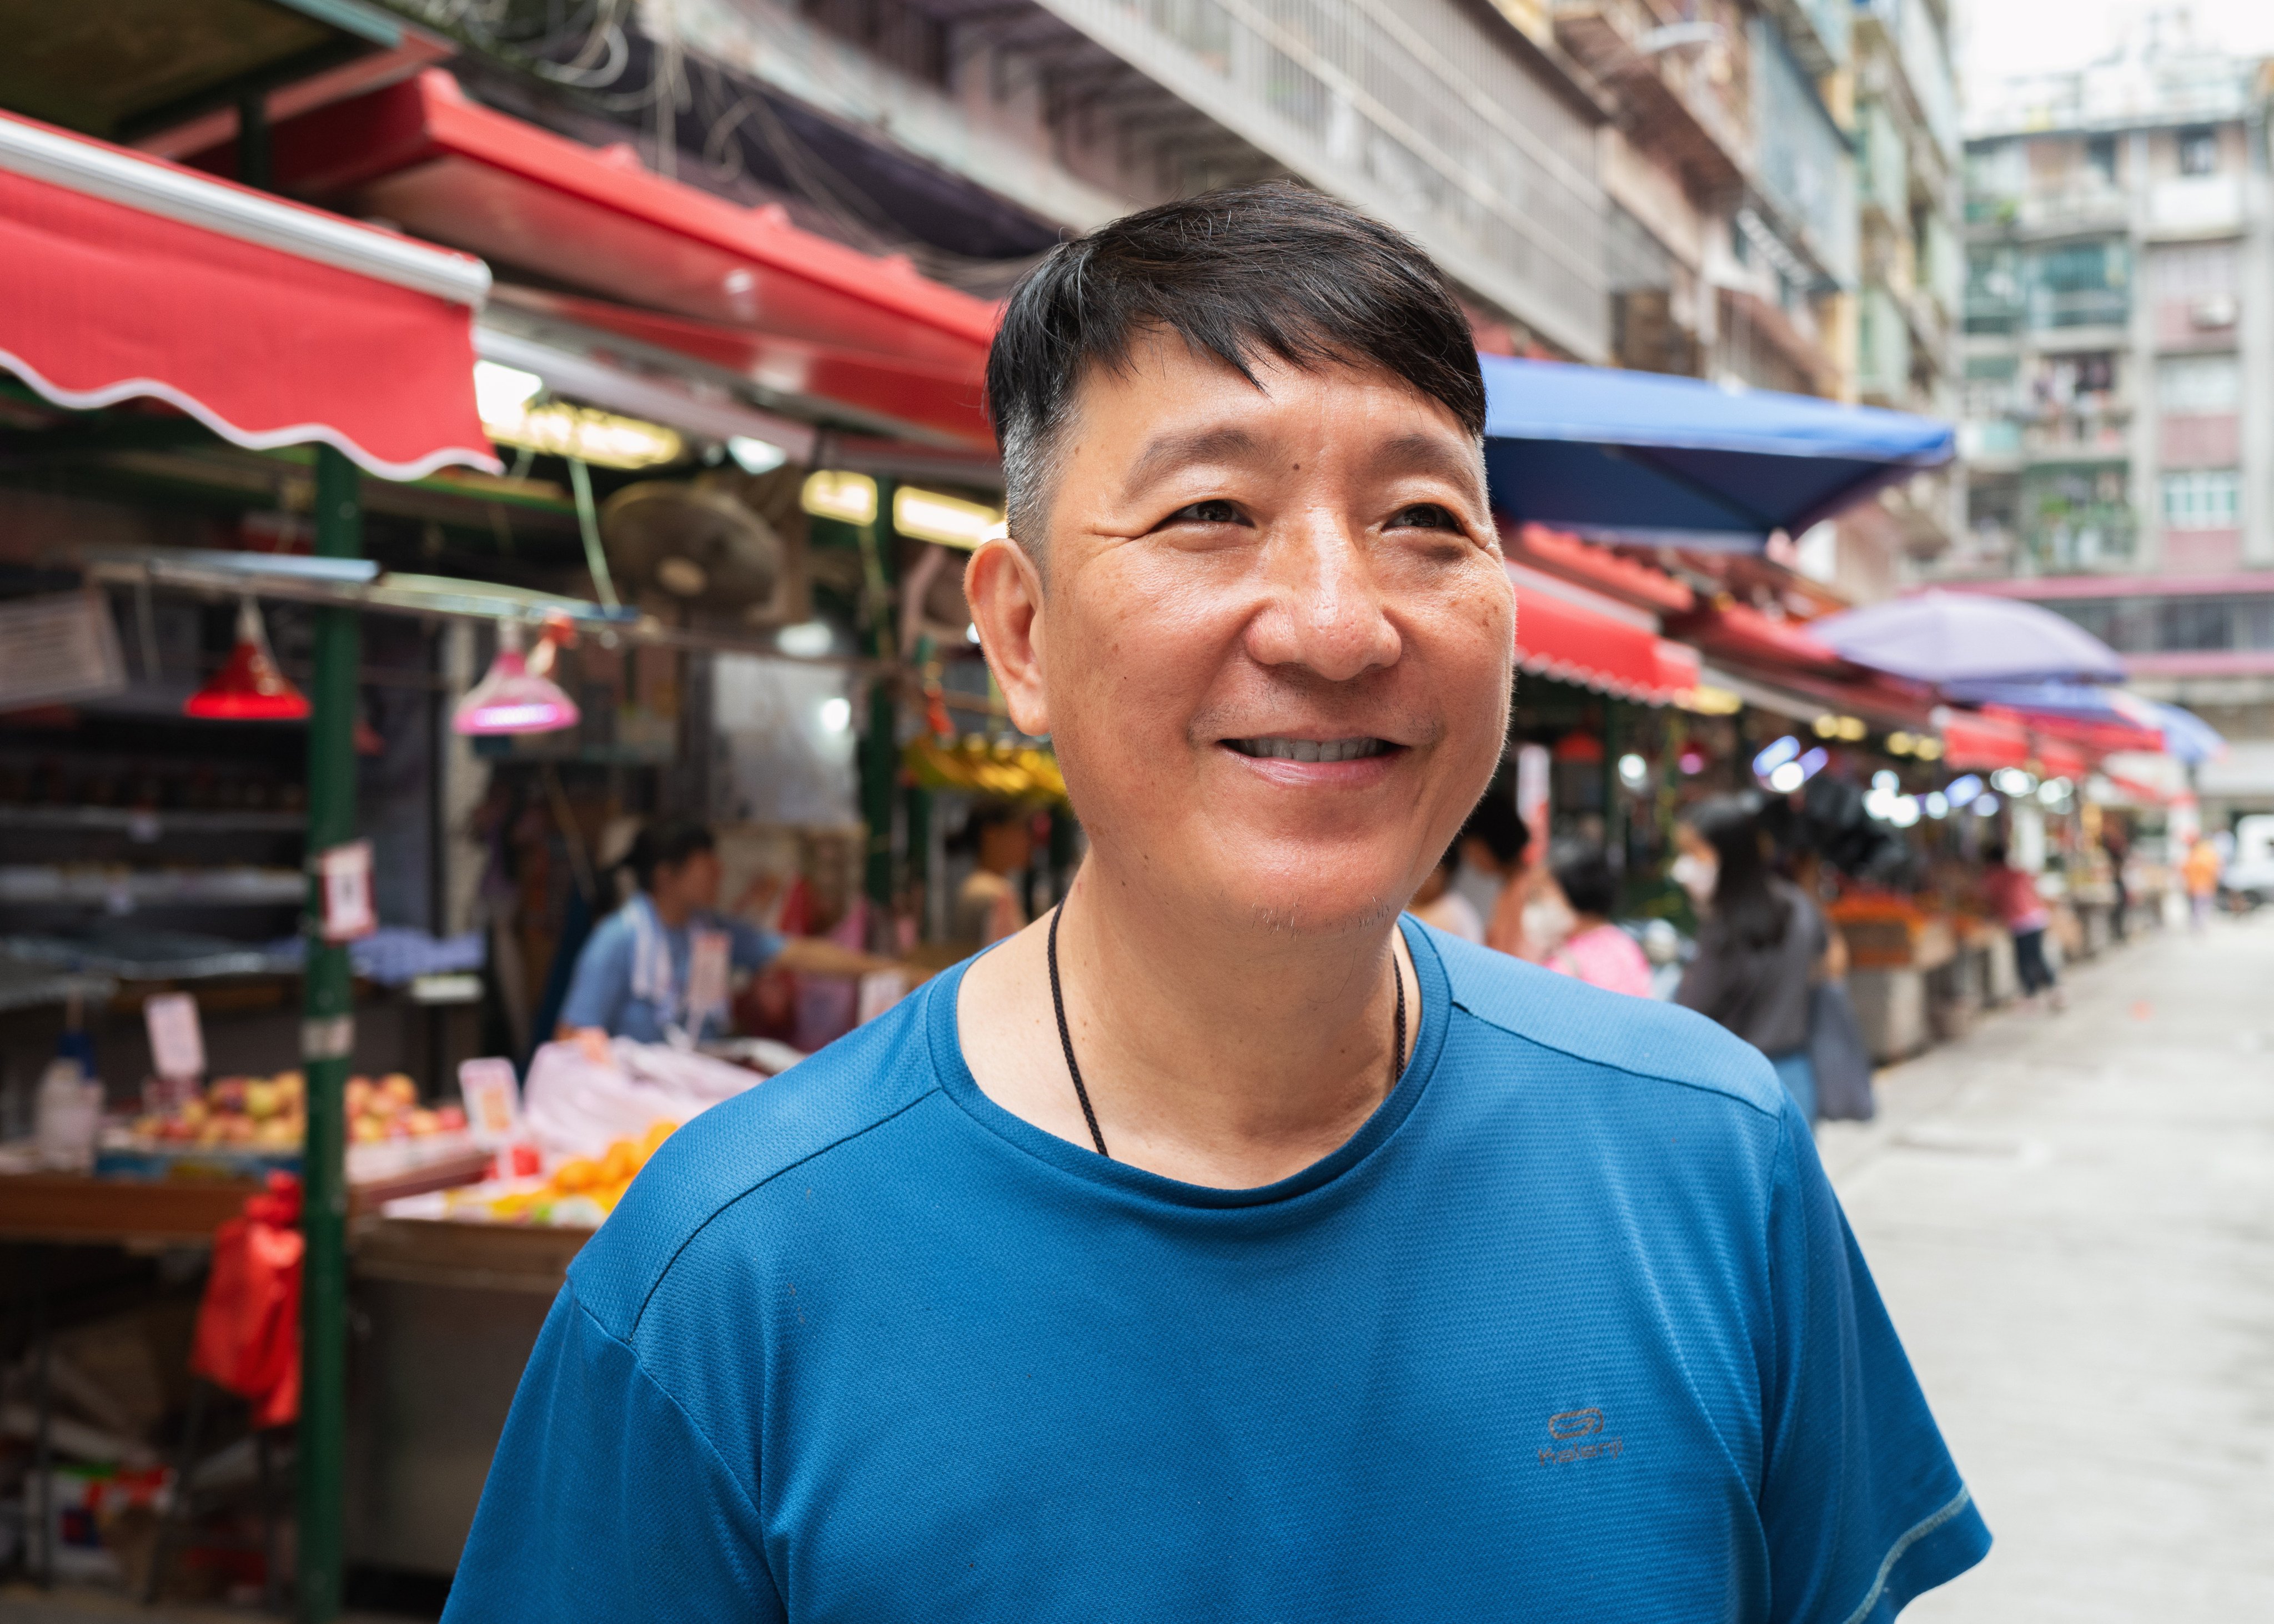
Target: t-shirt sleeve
602	977
1861	1504
755	946
605	1502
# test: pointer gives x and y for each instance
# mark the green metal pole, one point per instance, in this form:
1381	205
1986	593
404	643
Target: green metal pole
880	747
917	807
327	1039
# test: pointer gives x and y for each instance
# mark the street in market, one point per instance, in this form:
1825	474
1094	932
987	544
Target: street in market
2070	1216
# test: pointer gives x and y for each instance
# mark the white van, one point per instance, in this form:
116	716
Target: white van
2250	871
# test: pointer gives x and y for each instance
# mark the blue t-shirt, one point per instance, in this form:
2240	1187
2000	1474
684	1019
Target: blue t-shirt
1572	1326
600	992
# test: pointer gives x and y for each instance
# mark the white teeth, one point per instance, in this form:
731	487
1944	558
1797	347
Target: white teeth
1310	749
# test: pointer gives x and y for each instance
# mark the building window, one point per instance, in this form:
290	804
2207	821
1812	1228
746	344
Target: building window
2207	499
2199	152
2100	157
2199	383
2079	284
2188	625
2196	270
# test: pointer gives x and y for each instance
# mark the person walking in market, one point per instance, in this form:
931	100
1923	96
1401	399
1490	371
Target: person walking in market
2012	895
1762	944
2199	873
1224	1244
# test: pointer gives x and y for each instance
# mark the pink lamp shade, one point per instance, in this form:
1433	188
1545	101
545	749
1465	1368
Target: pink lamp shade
249	688
512	699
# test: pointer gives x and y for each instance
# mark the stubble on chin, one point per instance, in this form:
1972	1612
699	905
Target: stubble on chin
1301	919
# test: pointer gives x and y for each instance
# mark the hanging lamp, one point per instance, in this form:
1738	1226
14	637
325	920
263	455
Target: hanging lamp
248	688
511	698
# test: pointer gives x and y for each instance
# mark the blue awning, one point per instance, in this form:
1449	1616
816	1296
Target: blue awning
1643	457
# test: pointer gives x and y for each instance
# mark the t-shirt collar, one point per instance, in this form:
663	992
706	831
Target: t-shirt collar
955	1079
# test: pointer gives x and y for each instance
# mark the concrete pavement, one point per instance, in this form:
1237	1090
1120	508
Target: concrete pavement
2071	1217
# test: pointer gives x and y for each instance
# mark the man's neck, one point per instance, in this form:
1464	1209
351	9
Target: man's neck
1230	1059
674	912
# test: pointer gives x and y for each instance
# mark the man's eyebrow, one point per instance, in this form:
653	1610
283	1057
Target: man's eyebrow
1426	454
1168	451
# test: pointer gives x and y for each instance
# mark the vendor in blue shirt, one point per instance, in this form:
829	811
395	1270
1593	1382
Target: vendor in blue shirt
1224	1245
656	969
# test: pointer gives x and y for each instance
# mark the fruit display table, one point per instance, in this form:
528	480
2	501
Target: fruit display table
73	1209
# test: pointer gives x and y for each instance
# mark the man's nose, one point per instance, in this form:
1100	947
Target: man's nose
1326	612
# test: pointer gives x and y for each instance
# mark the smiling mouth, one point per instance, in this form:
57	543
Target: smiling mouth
1310	749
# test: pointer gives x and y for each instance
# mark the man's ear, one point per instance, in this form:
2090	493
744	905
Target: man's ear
1004	590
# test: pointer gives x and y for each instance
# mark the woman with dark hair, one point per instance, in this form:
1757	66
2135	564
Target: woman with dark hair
1761	942
1000	837
657	969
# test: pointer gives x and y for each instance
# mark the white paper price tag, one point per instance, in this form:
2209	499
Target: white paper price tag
708	956
177	1041
493	1100
346	874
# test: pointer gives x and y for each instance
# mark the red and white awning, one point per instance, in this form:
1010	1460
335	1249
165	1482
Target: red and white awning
122	277
1972	741
1565	631
653	259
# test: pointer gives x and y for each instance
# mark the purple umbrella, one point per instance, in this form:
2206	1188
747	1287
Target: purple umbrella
1969	637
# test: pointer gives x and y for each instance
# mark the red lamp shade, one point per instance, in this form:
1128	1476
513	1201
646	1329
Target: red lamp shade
511	698
248	688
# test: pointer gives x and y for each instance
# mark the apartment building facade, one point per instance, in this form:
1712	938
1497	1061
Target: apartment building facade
2119	395
1911	257
1784	213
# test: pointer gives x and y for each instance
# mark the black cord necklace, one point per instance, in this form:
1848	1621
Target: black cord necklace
1073	1066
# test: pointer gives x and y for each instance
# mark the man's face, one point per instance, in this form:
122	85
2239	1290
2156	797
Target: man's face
1274	653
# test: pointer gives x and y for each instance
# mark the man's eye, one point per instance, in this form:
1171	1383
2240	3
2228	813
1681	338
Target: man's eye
1212	512
1425	516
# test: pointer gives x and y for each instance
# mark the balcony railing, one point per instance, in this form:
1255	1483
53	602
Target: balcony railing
2103	540
2189	204
1992	315
1668	100
2081	205
2080	307
2072	439
1989	439
1801	157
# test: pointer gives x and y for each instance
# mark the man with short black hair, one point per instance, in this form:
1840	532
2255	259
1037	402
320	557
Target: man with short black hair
1221	1246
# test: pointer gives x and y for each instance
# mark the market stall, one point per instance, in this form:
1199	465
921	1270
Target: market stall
718	535
125	280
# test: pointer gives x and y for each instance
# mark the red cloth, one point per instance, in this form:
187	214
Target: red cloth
248	1333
